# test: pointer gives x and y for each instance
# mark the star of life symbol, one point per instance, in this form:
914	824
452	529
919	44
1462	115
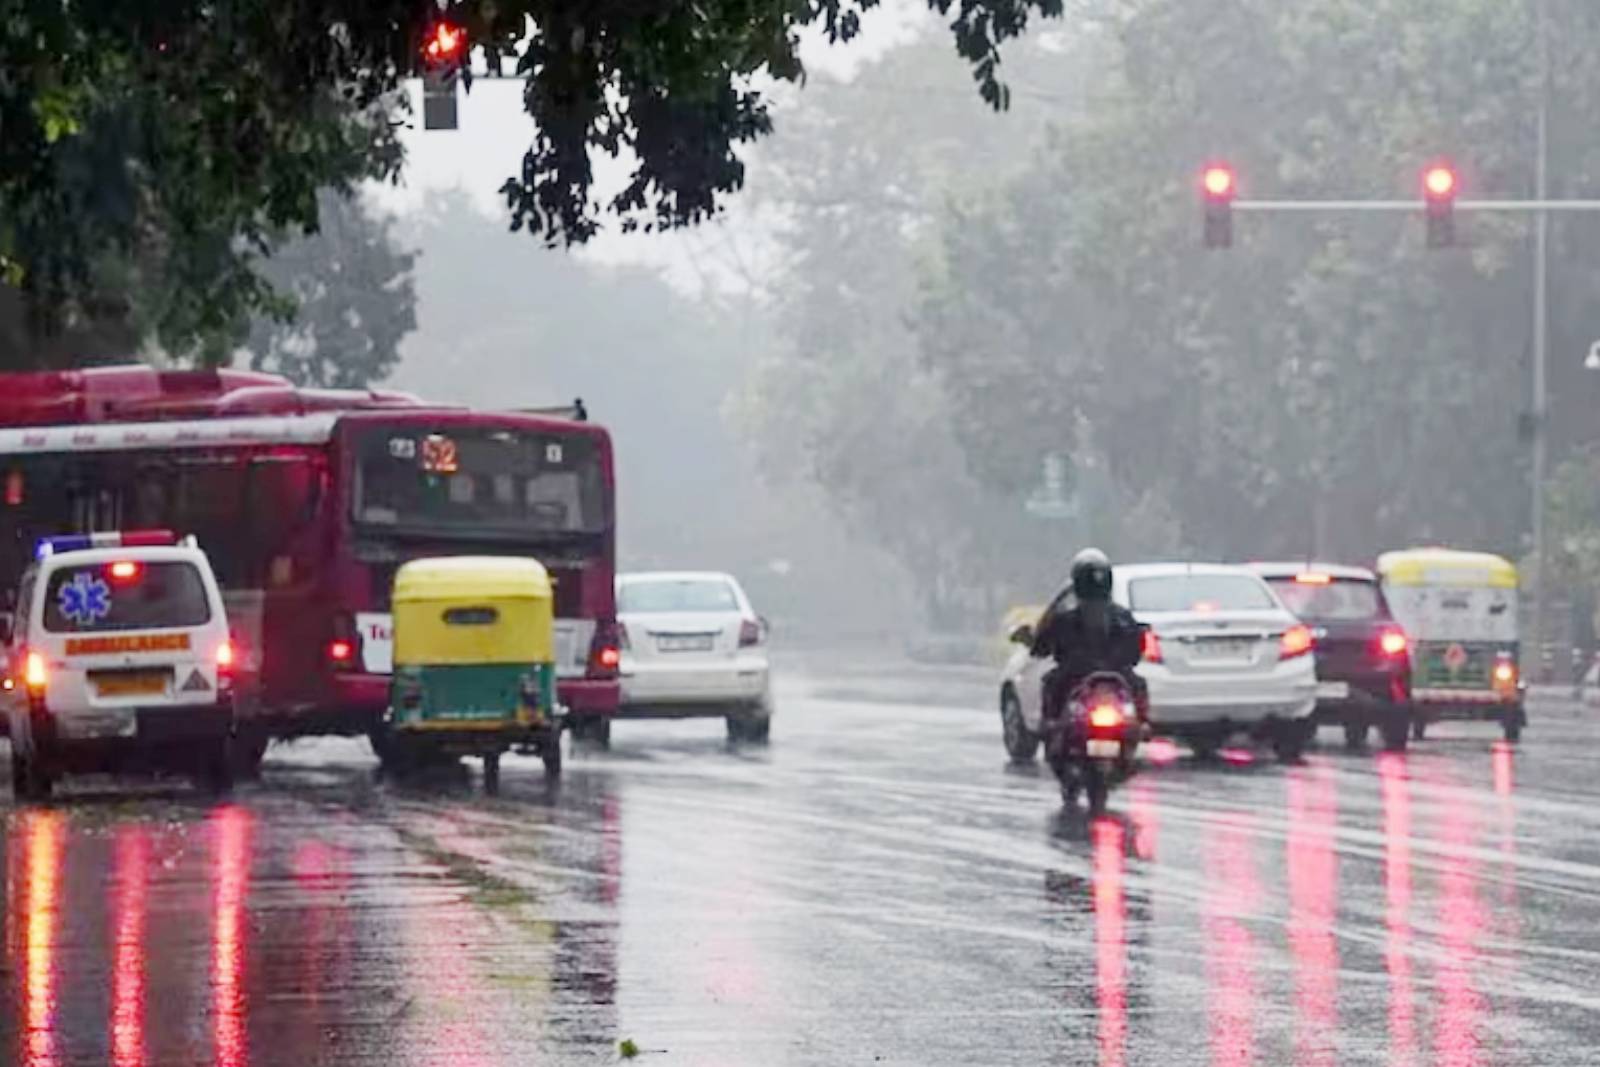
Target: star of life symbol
85	599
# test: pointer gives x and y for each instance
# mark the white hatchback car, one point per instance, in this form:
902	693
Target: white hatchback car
693	647
1223	657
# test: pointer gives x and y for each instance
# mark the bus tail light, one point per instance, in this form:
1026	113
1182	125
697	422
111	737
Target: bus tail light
343	647
341	653
605	652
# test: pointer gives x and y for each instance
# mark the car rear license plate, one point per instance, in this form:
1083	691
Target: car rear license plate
1333	690
1235	648
685	643
130	683
1101	748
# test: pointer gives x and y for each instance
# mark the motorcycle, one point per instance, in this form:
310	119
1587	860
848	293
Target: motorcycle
1091	743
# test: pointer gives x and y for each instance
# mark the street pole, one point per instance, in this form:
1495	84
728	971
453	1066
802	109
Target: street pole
1540	334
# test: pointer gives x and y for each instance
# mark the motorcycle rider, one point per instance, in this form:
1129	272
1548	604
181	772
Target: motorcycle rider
1085	632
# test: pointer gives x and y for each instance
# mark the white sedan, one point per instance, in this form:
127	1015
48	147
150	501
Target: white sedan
693	647
1223	657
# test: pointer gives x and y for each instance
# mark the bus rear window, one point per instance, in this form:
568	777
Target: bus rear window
125	596
480	481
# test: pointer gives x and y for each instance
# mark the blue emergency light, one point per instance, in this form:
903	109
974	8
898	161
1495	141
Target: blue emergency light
50	546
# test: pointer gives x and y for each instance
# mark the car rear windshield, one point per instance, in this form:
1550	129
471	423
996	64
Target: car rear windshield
688	594
1340	600
1200	592
125	596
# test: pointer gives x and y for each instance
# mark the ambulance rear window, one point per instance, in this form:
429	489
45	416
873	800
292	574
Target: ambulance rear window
125	596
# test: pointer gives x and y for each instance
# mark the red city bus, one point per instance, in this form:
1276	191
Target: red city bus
306	502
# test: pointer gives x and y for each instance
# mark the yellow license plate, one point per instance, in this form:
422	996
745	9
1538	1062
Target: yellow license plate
131	683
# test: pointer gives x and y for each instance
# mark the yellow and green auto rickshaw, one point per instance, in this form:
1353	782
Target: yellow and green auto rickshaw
1460	611
474	664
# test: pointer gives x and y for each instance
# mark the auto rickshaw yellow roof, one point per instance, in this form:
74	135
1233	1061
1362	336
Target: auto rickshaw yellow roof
472	577
1439	566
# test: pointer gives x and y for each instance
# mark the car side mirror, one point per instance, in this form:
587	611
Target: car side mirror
1022	635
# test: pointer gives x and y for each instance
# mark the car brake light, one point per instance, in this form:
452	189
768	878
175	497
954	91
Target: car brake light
1313	578
1105	717
1393	643
749	633
1297	641
341	652
1150	647
35	674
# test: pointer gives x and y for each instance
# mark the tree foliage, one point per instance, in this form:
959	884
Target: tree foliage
176	141
353	301
1325	386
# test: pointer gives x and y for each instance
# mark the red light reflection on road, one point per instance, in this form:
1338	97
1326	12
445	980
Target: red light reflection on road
611	861
128	948
1397	914
1160	751
1461	1005
1110	941
1230	963
1146	820
1504	757
42	876
230	872
1313	894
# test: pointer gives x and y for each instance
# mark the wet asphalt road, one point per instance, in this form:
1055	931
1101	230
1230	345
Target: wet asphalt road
879	887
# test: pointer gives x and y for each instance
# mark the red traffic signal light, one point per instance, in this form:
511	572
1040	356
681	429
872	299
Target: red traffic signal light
1219	186
446	43
1218	182
1439	197
1439	182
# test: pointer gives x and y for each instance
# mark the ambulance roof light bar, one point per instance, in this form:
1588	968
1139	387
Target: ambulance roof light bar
50	546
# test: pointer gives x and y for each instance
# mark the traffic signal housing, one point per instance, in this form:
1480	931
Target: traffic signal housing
444	50
1218	188
1439	203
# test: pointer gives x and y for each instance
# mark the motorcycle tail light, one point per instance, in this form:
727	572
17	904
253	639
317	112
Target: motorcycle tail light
1105	716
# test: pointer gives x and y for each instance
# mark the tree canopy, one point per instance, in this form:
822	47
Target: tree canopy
166	145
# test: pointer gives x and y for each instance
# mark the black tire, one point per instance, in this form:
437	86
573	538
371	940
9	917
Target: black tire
735	729
551	754
592	730
249	749
1512	727
758	731
1355	735
1396	733
491	774
31	782
1419	729
1289	742
1205	748
1022	744
382	740
216	770
1096	789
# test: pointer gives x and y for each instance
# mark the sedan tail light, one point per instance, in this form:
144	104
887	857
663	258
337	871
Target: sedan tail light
1150	647
749	633
1296	641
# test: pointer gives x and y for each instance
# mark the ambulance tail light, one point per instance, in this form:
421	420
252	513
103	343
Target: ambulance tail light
35	672
227	665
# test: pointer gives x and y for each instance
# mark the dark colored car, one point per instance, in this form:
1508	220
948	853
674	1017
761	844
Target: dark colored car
1362	653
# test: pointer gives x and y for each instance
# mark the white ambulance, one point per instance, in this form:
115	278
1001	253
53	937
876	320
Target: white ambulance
120	660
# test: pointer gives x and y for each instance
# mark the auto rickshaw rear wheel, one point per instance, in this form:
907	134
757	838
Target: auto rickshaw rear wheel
1419	729
491	773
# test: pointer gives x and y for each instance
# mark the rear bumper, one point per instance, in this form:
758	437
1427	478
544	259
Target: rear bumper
1477	705
1183	701
740	682
154	730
